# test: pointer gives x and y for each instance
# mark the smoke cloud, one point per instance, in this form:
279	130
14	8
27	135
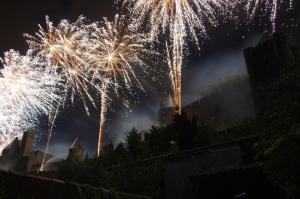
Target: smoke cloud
213	69
197	77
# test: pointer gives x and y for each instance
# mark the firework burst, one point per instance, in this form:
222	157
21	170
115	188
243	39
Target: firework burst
27	92
116	46
63	49
116	50
178	19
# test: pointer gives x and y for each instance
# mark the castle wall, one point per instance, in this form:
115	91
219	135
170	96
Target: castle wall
247	182
166	115
265	64
178	171
224	108
15	185
27	143
19	155
35	160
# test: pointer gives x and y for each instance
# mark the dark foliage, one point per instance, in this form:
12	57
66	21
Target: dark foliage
131	166
280	123
278	126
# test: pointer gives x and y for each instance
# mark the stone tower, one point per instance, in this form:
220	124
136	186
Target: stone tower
265	63
76	151
27	143
167	110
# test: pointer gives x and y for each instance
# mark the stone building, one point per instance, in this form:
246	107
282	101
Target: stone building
266	62
221	109
179	167
19	155
76	151
167	110
225	107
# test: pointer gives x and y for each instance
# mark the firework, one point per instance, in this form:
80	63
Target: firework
175	63
63	49
103	110
27	91
271	6
116	47
178	19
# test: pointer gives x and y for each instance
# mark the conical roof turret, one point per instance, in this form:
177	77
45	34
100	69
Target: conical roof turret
76	144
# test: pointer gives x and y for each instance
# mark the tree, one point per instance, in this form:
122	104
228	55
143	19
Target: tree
280	123
282	163
107	154
160	139
120	154
204	133
135	145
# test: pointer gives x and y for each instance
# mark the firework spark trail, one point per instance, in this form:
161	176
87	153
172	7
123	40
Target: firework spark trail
175	64
63	49
52	117
27	91
103	110
178	19
116	48
51	124
271	6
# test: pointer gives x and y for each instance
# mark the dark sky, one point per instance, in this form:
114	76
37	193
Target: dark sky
220	56
23	16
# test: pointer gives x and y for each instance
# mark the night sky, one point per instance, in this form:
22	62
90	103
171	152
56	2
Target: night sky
220	56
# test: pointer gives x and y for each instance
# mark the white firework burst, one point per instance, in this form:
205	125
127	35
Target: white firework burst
27	92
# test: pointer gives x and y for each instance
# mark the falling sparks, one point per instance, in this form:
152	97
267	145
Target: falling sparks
178	19
27	91
271	6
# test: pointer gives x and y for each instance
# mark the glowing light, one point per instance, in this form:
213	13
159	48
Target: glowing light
110	58
27	92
